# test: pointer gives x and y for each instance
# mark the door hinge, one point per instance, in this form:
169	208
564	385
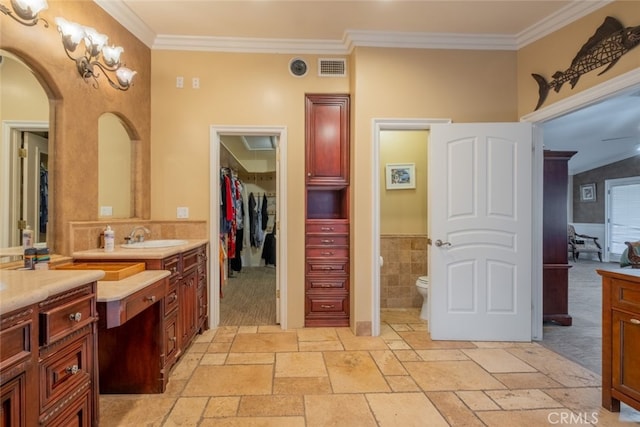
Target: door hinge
22	153
277	293
22	224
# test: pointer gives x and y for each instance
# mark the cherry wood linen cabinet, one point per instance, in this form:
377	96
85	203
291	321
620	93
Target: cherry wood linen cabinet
327	210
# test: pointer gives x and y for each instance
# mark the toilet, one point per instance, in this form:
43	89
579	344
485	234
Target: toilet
422	284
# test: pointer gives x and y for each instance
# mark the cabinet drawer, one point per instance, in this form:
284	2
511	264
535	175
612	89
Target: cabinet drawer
327	227
64	371
328	266
625	295
341	283
59	321
173	265
16	338
327	253
144	298
328	240
171	299
190	260
77	413
327	305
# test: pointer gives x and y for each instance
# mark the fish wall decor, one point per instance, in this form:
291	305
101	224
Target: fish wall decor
610	41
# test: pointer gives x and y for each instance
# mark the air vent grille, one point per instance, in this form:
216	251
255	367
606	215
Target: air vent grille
332	67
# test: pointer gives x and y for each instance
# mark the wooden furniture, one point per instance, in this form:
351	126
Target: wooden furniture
620	338
131	341
48	362
555	267
327	211
170	325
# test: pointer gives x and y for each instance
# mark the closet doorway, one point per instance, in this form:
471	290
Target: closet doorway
245	226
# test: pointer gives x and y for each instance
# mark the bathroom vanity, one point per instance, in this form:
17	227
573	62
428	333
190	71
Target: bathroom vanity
48	338
163	307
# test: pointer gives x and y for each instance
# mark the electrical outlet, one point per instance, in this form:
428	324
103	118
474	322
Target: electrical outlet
183	212
195	83
106	210
179	82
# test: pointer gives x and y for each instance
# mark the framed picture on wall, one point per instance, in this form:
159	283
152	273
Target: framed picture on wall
588	192
401	176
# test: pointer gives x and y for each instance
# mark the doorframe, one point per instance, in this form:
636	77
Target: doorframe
8	166
608	184
378	126
608	89
215	132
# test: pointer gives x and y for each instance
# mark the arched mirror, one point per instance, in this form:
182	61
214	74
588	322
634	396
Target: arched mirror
114	169
24	155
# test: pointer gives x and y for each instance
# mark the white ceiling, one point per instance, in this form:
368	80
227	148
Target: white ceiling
602	133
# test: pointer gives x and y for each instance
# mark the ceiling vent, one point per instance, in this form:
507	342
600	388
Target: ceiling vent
332	67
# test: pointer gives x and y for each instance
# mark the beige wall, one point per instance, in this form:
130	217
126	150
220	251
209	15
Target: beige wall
556	51
76	107
21	96
404	211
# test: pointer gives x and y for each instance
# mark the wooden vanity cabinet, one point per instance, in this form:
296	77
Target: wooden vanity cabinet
327	222
19	367
68	365
620	339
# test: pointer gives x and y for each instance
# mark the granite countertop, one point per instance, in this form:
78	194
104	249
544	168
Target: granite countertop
120	289
20	288
121	253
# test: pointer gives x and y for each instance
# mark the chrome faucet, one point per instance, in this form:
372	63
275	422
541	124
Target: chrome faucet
140	237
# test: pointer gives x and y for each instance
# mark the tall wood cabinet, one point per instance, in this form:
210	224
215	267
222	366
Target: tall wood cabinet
327	210
555	266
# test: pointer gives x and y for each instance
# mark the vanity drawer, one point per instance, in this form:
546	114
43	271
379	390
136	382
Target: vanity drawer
190	260
171	299
144	298
15	336
64	371
59	321
172	264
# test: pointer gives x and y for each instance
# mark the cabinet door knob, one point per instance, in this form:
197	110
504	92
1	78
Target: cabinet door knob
75	317
151	298
309	174
73	369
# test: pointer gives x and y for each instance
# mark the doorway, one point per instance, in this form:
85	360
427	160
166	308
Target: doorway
247	262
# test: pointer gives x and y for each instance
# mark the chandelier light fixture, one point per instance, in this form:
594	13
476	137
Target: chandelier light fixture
26	11
95	49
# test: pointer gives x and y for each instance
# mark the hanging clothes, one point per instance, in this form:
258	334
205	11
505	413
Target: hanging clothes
264	212
255	223
44	198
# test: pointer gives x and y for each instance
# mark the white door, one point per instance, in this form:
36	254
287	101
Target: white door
480	189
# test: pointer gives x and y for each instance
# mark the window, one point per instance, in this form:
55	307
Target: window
623	214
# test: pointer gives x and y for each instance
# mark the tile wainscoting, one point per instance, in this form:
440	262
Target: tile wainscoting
405	259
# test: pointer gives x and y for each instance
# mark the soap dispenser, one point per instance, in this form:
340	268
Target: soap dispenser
109	239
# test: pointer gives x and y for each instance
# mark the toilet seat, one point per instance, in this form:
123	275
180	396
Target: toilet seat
423	282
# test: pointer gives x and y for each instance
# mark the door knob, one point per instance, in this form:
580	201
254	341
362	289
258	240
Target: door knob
440	243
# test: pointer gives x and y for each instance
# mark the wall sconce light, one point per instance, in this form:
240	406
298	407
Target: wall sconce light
27	11
95	45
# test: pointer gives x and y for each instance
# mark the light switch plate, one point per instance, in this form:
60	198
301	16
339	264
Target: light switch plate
179	82
106	210
183	212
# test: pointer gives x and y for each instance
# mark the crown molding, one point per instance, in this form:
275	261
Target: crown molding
125	16
568	14
352	38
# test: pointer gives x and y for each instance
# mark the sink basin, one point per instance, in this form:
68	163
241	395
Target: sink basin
152	244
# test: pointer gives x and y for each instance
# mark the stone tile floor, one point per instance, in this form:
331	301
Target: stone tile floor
263	376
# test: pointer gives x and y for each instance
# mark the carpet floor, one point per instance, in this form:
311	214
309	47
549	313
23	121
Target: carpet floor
249	298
